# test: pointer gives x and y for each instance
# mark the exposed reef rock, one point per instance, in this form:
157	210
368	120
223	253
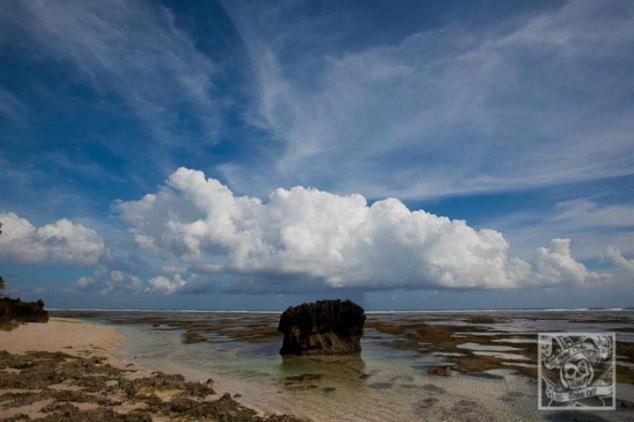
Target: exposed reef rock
439	371
64	387
325	327
14	311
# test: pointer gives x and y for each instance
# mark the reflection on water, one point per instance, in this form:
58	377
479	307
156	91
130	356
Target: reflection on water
485	347
501	355
387	381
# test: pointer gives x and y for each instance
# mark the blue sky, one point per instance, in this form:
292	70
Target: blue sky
516	117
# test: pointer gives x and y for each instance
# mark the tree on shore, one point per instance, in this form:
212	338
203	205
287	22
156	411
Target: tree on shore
2	284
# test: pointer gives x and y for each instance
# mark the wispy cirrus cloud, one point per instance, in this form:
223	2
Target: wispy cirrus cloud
10	106
132	49
586	212
536	100
592	222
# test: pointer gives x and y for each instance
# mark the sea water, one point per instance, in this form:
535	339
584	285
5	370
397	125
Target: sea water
382	383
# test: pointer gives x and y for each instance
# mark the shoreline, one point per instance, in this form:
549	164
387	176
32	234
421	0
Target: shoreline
155	368
71	336
72	369
62	334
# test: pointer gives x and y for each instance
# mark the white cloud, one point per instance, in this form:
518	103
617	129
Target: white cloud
144	242
86	283
172	269
110	282
339	240
118	282
556	265
164	285
615	255
62	241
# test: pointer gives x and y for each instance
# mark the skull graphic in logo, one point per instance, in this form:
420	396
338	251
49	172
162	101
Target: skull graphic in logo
576	370
576	373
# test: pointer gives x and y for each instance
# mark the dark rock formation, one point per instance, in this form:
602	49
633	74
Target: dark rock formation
325	327
14	310
439	371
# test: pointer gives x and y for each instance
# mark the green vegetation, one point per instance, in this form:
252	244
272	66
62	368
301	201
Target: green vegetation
2	283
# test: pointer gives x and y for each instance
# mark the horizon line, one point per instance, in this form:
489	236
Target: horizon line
390	311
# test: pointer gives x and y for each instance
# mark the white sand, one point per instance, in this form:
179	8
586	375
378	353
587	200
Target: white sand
62	335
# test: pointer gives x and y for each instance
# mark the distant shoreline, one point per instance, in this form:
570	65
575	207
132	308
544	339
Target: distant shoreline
616	309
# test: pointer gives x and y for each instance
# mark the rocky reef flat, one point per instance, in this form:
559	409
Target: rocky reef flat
419	366
480	343
72	370
472	343
58	386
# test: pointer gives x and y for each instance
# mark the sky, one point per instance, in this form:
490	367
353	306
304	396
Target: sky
247	155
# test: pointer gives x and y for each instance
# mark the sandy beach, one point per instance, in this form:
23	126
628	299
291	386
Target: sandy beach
73	370
64	335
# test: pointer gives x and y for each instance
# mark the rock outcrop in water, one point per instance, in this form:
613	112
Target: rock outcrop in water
440	371
13	311
325	327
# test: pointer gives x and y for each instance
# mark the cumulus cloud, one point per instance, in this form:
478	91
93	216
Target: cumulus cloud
120	282
86	283
615	255
556	265
340	240
111	282
164	285
62	241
